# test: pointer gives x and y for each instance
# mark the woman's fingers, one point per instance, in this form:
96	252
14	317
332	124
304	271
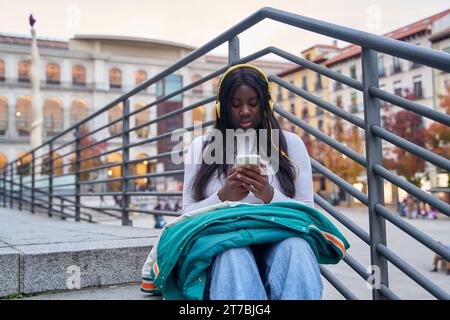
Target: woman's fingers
250	181
254	175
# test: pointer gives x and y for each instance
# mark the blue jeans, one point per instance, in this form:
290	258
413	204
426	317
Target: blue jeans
286	270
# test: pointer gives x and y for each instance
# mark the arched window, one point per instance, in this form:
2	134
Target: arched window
79	75
53	73
141	118
141	76
115	113
115	78
23	163
114	171
23	116
78	111
198	89
3	161
3	115
2	70
24	71
198	115
53	116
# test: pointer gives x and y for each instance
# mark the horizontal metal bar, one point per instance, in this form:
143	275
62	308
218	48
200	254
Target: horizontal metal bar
401	49
412	189
356	266
339	181
413	231
322	136
319	102
156	193
161	155
167	134
108	165
173	113
100	154
410	105
388	293
413	273
411	147
337	283
155	174
348	223
161	212
317	68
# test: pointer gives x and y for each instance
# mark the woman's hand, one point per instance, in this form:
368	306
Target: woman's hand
255	180
233	190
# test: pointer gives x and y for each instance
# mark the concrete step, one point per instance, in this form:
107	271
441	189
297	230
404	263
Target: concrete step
38	254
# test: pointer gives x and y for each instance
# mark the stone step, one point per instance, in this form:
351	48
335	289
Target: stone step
38	254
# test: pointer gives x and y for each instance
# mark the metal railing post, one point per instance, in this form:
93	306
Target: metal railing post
125	166
372	116
50	179
11	175
77	173
233	51
3	187
20	185
33	178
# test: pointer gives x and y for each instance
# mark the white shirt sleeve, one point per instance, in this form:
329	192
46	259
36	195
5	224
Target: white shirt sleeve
191	166
298	153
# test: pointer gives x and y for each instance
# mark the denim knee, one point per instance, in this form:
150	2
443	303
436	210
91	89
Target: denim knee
295	244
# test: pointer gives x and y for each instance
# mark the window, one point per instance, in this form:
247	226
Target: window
305	83
322	184
78	76
418	92
397	67
398	88
354	102
320	125
53	116
197	89
53	73
415	65
3	115
141	76
339	101
305	113
279	94
115	113
381	67
308	57
293	108
290	93
318	85
142	118
319	111
78	111
353	72
24	71
23	116
115	78
2	70
337	84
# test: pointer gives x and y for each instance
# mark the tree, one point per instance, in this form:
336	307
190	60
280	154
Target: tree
407	125
337	162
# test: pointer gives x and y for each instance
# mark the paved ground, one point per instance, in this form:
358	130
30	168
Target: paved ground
406	247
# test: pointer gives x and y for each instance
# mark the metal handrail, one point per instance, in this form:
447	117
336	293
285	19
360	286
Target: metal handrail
370	44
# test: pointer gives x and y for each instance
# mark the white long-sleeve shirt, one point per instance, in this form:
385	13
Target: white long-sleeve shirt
296	151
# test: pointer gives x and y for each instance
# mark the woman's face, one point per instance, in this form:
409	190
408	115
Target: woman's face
245	108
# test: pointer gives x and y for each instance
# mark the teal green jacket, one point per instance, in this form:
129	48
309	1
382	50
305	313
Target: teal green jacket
186	249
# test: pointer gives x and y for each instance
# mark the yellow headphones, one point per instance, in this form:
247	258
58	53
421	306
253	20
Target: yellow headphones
270	103
237	67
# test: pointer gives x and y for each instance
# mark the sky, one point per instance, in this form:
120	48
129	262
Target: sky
195	22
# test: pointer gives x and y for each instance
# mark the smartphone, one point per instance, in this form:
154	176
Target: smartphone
247	159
